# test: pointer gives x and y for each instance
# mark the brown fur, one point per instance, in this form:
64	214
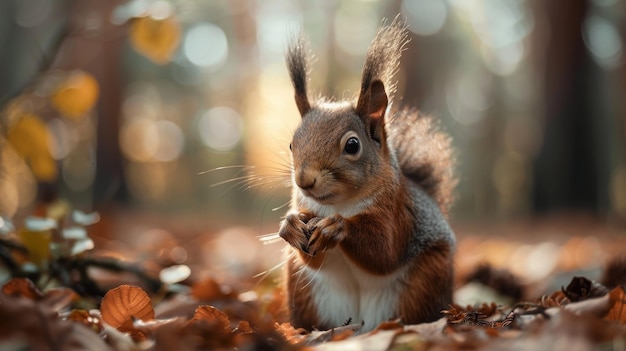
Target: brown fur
400	180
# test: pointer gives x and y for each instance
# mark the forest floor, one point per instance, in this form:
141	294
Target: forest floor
122	281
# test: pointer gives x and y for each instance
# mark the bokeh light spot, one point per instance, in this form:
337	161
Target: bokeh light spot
221	128
603	41
425	17
139	139
355	28
170	141
206	46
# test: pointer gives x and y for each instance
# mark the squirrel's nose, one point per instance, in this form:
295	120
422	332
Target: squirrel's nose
306	179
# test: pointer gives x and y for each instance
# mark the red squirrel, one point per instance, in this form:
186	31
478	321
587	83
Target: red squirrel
367	230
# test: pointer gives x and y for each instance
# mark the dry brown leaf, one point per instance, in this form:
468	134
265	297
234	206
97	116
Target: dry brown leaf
208	289
28	324
598	307
243	328
90	319
389	325
581	288
23	287
213	316
617	297
121	305
556	299
59	298
432	330
370	341
291	334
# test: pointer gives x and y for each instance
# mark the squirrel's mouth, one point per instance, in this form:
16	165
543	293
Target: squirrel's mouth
324	197
318	198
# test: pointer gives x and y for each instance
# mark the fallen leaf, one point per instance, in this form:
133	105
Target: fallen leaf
291	334
389	325
371	341
209	289
23	287
33	326
213	316
38	244
91	319
121	305
581	288
617	297
57	299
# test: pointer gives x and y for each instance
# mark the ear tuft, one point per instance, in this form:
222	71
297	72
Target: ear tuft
297	66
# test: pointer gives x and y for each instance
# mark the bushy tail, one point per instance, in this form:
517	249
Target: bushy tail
425	155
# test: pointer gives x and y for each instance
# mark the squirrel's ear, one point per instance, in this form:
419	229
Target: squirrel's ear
297	66
371	107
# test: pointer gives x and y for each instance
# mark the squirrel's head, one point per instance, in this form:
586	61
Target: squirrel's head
340	151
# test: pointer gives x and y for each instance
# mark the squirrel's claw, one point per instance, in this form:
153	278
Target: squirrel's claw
326	234
293	229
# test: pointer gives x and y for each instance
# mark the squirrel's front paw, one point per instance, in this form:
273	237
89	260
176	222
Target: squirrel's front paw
294	230
327	233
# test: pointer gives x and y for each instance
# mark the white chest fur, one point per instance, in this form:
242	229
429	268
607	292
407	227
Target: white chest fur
343	291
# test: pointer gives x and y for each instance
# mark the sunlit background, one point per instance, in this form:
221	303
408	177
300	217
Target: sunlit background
132	108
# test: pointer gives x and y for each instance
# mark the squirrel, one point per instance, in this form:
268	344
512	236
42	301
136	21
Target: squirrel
367	231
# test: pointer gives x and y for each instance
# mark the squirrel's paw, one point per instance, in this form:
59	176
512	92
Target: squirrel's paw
294	230
326	234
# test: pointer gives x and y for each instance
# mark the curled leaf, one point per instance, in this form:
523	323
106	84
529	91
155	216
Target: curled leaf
90	319
121	305
23	287
581	288
213	316
617	297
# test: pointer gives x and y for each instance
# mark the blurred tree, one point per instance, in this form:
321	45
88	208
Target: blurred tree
572	170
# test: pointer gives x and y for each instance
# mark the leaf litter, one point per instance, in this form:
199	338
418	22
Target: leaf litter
60	302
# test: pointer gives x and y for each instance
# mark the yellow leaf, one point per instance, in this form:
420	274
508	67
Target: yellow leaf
76	95
38	245
155	38
30	139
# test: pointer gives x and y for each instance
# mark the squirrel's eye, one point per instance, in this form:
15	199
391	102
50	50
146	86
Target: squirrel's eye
353	146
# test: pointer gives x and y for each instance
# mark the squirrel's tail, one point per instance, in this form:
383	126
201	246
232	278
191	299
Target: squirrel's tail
425	154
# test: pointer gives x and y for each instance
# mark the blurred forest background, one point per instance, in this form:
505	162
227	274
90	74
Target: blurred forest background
122	106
